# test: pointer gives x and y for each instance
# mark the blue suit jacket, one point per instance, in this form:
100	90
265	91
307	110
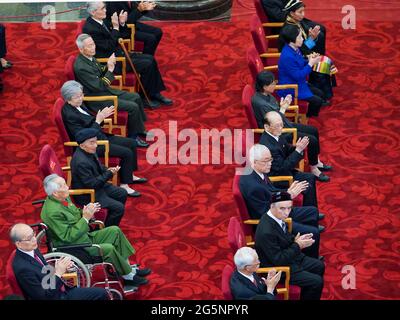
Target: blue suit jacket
256	193
242	288
293	69
28	273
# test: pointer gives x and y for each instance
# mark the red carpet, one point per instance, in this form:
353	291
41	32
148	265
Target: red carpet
179	224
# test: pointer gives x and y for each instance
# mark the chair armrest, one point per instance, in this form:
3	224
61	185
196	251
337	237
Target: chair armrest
274	67
77	192
289	222
289	179
252	221
270	55
272	36
114	99
273	24
133	30
109	124
294	114
286	270
290	86
41	201
120	83
117	59
293	131
104	143
98	223
74	246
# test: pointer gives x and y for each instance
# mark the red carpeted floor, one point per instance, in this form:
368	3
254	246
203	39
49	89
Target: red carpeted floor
179	224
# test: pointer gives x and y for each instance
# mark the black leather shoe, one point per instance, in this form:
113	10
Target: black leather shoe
134	194
323	177
321	229
159	97
321	216
143	272
152	104
141	143
321	258
136	281
140	180
146	134
325	167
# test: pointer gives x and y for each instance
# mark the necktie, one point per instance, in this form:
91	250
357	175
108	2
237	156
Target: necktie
284	226
105	27
255	282
38	259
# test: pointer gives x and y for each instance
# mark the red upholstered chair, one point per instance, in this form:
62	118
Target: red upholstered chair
296	112
247	94
225	282
236	238
49	164
68	144
10	276
120	118
264	19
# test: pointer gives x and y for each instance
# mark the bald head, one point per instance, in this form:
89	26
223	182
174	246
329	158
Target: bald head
273	123
23	237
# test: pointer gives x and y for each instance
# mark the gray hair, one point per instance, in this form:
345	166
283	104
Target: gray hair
70	89
244	256
79	40
256	152
92	6
49	185
14	234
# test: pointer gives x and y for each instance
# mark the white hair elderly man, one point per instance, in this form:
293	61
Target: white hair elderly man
30	268
68	225
257	191
245	283
96	80
106	34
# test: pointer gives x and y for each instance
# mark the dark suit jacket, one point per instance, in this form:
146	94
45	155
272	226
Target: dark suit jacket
276	248
285	158
242	288
256	193
94	78
75	121
28	273
263	104
106	42
133	13
88	173
274	10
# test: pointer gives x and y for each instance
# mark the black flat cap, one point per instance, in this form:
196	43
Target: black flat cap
293	5
280	196
84	134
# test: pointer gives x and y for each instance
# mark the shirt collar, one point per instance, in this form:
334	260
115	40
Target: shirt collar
251	277
278	221
29	253
276	138
98	21
260	174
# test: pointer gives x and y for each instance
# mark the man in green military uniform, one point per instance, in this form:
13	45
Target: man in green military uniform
68	225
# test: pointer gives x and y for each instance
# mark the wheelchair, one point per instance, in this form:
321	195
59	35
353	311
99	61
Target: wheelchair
87	271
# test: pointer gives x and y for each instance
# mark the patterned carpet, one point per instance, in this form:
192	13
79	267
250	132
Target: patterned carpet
179	224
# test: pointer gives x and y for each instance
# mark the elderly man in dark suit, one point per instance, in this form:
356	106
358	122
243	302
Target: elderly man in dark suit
245	283
106	35
76	117
28	265
96	80
150	35
257	191
276	247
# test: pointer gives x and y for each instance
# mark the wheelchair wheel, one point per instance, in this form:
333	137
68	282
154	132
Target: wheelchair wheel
83	274
115	294
41	241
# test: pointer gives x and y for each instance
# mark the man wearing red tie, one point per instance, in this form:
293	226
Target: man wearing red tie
29	268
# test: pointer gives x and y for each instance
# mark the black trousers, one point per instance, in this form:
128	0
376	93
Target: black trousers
3	48
309	195
125	149
131	103
310	279
151	37
147	67
305	220
113	198
312	133
85	294
315	102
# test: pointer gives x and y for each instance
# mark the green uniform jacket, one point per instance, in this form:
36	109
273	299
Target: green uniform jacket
65	222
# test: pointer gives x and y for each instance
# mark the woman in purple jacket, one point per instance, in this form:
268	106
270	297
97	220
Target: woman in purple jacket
294	69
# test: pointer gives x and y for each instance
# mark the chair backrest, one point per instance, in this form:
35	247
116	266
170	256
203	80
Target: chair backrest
247	94
241	205
254	63
225	282
57	119
260	11
258	35
79	27
48	162
236	236
69	68
10	276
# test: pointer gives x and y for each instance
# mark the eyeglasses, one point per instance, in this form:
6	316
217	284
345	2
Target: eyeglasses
265	161
33	236
254	264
